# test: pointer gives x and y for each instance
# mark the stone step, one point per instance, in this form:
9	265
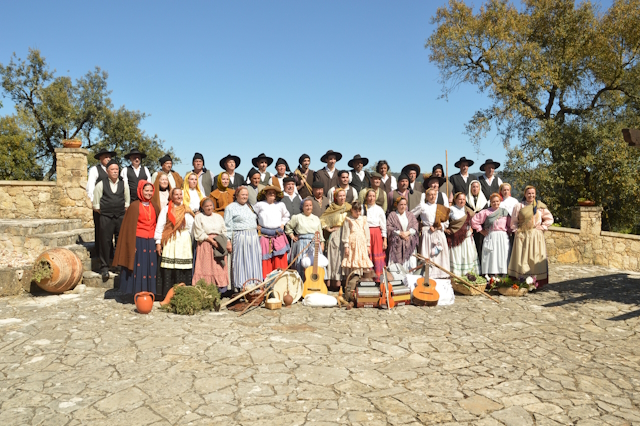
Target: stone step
94	279
43	242
24	227
83	254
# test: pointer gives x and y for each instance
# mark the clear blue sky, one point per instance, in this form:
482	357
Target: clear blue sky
282	77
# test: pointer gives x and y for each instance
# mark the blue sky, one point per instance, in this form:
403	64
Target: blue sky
282	77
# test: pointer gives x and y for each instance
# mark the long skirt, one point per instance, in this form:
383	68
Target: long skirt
464	257
335	253
377	252
176	263
429	241
273	259
495	253
478	239
210	268
167	278
529	256
297	247
145	266
247	257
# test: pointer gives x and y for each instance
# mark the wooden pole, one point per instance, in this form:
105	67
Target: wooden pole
446	165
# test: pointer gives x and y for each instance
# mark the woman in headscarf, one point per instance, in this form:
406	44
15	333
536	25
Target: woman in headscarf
173	243
477	202
402	234
435	219
529	255
377	222
462	250
136	250
494	224
222	196
301	229
162	189
241	223
272	218
332	221
210	234
191	191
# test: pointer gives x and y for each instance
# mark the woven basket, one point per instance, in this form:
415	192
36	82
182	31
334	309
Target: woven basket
462	289
508	291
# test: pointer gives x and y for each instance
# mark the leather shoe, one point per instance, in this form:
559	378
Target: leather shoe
105	276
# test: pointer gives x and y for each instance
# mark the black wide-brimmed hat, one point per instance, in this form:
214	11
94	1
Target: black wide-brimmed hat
102	152
269	160
469	162
331	152
430	177
488	162
135	151
317	184
224	160
408	167
357	157
164	159
283	161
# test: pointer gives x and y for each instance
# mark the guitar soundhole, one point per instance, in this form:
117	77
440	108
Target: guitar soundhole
314	277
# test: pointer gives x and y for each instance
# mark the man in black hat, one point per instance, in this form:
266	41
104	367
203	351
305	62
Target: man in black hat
375	180
96	174
136	172
304	176
438	171
254	186
412	171
460	181
328	176
359	178
205	177
320	202
166	165
261	162
229	164
291	199
489	182
110	201
282	167
352	194
433	181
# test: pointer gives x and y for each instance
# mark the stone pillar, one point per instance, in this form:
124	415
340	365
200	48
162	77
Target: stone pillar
588	220
71	185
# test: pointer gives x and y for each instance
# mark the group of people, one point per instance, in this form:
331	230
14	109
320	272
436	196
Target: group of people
229	230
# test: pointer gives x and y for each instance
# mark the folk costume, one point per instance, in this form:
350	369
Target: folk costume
443	187
495	248
442	198
205	177
434	243
112	200
529	254
381	197
211	262
328	178
334	217
489	185
131	176
265	176
304	178
319	205
241	223
173	233
377	225
412	185
175	180
359	180
388	181
508	204
477	203
236	180
459	183
462	249
277	180
400	250
272	219
191	196
292	202
160	197
304	227
222	196
350	191
136	249
413	197
357	237
253	190
96	174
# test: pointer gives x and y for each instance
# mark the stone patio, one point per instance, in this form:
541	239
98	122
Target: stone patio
567	355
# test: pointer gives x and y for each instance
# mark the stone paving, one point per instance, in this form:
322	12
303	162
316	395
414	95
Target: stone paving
566	355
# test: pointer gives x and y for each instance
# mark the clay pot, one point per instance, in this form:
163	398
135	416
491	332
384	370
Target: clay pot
586	203
144	301
169	295
287	299
66	270
72	143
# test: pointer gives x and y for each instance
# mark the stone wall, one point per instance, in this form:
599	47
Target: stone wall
66	198
587	244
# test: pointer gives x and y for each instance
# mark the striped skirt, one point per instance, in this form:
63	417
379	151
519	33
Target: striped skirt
247	257
377	253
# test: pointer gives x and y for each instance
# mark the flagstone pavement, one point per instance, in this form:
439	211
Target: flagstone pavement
566	355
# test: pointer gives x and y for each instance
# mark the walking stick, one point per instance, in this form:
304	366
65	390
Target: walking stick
460	279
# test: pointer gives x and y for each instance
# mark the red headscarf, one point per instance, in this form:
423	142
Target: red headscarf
141	185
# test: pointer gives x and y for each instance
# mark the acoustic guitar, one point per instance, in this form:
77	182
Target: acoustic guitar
425	294
314	276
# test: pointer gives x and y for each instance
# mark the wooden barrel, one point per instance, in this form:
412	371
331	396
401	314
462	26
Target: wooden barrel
66	270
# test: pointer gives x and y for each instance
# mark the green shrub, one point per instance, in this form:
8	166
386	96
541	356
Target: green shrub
187	300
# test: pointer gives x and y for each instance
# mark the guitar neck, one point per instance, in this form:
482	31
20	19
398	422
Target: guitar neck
315	256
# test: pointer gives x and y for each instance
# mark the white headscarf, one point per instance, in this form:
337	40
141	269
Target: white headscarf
482	200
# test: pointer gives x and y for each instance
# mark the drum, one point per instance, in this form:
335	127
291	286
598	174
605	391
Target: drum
289	281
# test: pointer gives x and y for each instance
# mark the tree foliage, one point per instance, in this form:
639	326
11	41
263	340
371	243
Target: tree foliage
56	108
563	79
16	152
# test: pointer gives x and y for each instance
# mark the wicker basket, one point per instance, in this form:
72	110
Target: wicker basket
509	291
462	289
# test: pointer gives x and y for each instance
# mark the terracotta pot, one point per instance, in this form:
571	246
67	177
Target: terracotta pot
66	270
144	301
169	295
287	299
586	203
72	143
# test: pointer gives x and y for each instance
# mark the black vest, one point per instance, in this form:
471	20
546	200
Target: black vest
459	185
133	181
440	199
358	184
112	204
348	191
487	189
292	205
102	175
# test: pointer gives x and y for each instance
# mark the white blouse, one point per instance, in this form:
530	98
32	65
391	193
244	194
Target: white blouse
428	215
376	218
162	221
194	201
404	222
508	204
394	182
205	225
271	216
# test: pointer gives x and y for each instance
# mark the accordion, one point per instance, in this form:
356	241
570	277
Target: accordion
367	295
